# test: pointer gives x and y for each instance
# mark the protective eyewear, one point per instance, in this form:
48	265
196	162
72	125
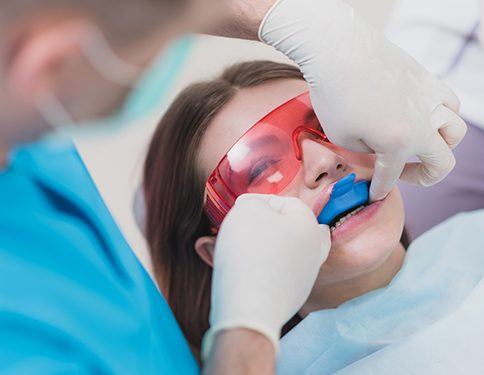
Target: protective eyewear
265	159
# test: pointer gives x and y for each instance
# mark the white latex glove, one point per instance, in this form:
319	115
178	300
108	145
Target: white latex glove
267	256
369	94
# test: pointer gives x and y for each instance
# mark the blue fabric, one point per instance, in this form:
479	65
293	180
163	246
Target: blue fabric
442	274
151	89
74	299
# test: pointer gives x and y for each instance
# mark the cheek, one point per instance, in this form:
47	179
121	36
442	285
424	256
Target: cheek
296	188
369	249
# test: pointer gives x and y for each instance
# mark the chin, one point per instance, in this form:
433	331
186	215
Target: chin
356	254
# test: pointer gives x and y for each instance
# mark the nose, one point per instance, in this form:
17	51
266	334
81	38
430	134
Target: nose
321	164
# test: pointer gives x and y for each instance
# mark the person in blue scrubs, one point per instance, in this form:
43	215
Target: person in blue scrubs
73	296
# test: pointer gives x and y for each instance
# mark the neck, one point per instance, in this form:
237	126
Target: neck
331	296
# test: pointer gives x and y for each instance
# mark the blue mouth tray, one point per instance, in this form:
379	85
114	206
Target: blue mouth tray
346	195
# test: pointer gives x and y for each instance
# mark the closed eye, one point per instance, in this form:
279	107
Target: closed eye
260	167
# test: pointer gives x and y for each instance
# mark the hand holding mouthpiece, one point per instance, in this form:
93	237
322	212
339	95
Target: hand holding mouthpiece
268	254
369	95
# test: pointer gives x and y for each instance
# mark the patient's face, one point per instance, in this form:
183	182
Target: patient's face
359	245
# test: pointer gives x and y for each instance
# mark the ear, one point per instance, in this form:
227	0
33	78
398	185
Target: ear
39	54
205	248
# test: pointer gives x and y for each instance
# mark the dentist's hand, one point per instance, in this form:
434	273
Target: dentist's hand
369	94
268	254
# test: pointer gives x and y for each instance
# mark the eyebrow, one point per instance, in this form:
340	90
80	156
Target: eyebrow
268	139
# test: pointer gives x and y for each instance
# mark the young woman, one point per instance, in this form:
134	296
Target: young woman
367	250
195	133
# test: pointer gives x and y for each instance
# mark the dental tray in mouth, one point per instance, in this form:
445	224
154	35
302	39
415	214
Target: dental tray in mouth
346	197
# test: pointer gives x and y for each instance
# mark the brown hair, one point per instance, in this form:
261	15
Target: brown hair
174	190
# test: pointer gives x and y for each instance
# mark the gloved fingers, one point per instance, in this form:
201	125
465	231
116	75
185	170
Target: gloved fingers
281	205
388	169
436	163
450	98
254	203
353	144
442	93
290	206
451	126
251	197
269	201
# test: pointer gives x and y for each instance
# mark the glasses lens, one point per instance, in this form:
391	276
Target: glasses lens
264	160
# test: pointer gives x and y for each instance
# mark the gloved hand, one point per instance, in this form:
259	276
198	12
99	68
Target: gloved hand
267	256
369	94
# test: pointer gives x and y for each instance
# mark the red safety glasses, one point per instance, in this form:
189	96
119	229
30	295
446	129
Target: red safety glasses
265	159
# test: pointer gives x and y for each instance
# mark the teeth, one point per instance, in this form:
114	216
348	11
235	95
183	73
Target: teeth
346	217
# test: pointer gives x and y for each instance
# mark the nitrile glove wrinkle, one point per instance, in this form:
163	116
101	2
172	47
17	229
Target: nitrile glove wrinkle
268	254
370	95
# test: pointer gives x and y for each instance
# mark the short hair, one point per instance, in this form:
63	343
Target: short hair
120	20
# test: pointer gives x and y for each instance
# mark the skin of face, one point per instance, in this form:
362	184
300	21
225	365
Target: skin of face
359	247
41	54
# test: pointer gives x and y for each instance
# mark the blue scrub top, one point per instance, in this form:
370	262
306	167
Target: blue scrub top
73	296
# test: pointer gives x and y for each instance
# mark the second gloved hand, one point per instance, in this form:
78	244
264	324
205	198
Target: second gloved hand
369	94
267	256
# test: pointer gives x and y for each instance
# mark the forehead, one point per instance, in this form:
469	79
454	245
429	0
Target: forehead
247	107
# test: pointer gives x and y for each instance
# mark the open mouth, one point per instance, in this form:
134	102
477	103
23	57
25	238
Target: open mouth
341	218
348	198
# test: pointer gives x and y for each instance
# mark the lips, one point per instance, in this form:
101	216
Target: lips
347	196
344	207
340	219
356	223
323	199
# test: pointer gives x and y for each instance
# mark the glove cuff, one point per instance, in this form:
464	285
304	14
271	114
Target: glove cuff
318	35
268	14
209	337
